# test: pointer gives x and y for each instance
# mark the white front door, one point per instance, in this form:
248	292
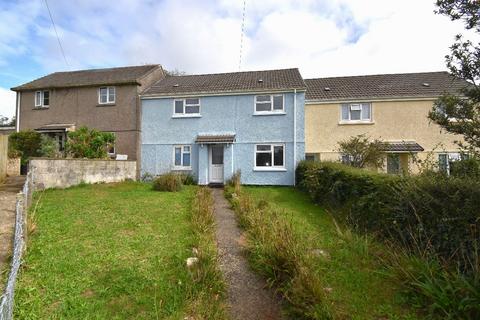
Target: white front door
216	164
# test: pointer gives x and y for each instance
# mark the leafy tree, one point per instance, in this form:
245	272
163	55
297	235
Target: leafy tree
361	152
25	144
49	147
89	143
460	114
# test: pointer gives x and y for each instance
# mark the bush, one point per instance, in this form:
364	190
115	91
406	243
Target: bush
91	144
432	216
26	144
468	168
187	179
171	182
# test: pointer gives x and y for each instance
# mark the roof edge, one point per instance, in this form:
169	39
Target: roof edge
217	93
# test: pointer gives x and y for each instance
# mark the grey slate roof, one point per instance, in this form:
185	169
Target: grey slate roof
402	146
92	77
229	82
425	84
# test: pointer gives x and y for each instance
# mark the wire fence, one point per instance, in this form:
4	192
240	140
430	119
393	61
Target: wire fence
24	199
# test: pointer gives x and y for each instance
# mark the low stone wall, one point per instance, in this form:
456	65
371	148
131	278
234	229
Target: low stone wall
13	167
63	173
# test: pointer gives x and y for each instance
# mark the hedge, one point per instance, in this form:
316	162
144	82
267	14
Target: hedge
435	214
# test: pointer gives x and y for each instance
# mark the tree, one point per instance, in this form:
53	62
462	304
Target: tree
460	113
174	72
91	144
360	152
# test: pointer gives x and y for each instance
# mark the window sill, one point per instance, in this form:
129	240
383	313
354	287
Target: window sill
106	105
187	116
279	113
40	108
269	169
342	123
182	168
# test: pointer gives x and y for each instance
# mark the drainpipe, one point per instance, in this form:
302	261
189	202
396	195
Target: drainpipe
294	134
19	95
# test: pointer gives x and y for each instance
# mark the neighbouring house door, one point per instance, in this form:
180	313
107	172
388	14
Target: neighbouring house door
216	164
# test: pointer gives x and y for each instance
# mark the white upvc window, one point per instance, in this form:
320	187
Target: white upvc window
42	99
270	156
266	104
182	157
187	107
356	112
106	95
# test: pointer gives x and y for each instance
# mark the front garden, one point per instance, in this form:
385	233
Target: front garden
118	251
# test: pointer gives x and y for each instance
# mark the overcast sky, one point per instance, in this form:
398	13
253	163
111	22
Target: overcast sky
320	37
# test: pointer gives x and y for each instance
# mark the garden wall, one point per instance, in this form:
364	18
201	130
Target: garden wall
63	173
13	166
3	156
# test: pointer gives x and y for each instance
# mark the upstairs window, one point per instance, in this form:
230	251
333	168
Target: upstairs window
186	107
181	157
356	112
106	95
269	156
269	103
42	99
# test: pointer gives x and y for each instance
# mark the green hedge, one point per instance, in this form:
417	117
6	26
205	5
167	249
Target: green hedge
434	214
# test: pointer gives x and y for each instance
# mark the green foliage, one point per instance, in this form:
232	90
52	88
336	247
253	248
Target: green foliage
206	273
89	143
432	216
187	179
48	147
26	144
467	168
362	152
171	182
120	250
278	252
460	113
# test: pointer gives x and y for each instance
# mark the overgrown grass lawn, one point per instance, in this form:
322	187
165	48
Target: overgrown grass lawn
348	265
108	251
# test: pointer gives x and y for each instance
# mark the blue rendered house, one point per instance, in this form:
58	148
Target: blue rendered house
213	125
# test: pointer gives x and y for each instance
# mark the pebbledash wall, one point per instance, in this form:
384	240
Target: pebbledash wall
223	114
63	173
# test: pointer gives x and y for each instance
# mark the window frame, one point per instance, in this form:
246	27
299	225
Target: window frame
271	102
361	120
41	103
273	167
108	95
182	152
184	114
114	146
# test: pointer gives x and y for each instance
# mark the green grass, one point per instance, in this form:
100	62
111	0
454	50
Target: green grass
109	251
357	282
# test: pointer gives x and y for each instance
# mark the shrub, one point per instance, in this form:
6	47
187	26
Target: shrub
26	144
362	152
432	216
89	143
468	168
171	182
187	179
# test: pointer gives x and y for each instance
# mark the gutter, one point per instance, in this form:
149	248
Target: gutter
373	99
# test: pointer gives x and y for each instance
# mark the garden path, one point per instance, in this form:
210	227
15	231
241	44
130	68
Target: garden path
8	196
248	295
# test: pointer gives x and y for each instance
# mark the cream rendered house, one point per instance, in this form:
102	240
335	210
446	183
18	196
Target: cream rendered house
390	107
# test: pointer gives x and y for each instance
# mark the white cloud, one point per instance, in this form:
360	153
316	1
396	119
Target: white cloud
7	102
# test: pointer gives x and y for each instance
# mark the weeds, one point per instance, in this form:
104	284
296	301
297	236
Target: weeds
208	304
171	182
280	254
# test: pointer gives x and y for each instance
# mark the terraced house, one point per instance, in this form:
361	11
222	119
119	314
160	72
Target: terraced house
104	99
214	125
390	107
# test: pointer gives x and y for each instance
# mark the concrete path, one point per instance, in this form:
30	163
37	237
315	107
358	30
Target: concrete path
248	297
8	196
